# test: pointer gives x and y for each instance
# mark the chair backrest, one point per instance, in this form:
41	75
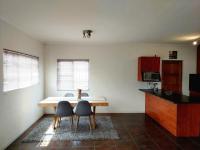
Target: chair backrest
69	95
64	109
84	95
83	108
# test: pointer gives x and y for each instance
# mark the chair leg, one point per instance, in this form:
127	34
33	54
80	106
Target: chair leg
90	121
59	121
54	122
71	120
93	122
77	122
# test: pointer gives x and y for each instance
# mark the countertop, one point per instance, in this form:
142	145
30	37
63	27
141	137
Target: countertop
173	97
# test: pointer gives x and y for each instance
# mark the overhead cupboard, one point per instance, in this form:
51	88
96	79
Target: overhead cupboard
148	66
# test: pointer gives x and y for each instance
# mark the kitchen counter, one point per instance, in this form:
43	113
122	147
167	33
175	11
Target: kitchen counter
179	114
173	97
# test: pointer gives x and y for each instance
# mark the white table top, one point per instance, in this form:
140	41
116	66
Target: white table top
53	101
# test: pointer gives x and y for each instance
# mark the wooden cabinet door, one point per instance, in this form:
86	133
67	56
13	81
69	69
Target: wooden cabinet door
163	111
148	64
172	76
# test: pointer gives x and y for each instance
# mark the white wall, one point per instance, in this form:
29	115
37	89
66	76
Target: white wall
113	70
18	108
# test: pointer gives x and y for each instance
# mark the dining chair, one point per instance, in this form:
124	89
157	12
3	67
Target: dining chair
64	109
69	95
84	95
83	108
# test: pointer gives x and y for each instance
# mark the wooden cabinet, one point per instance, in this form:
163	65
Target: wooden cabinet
172	76
148	64
181	120
164	112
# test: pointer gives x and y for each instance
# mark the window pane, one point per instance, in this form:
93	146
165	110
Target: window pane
19	70
25	67
72	75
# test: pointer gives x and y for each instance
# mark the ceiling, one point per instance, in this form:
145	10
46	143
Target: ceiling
164	21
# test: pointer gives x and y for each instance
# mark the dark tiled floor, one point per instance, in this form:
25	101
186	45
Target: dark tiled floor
137	132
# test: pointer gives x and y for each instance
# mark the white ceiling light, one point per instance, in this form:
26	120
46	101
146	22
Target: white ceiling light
195	43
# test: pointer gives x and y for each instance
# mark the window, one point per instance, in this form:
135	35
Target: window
20	70
72	74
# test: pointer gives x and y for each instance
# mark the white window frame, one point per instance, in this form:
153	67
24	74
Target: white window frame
32	62
70	60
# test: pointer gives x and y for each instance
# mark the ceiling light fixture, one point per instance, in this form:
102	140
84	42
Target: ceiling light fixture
196	42
87	33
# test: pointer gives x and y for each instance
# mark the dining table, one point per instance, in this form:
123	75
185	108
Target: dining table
52	102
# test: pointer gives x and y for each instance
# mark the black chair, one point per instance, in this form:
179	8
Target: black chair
69	95
64	109
83	108
84	95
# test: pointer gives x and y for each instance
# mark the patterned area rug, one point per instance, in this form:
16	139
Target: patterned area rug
44	131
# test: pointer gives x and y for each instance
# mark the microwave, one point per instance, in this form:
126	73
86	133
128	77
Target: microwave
151	76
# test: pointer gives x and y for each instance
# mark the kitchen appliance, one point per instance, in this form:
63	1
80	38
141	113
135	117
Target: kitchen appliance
151	76
194	82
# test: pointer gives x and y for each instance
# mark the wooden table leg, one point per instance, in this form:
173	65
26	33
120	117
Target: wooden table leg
54	122
54	119
94	118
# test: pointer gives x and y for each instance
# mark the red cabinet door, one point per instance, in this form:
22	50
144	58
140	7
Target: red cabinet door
148	64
